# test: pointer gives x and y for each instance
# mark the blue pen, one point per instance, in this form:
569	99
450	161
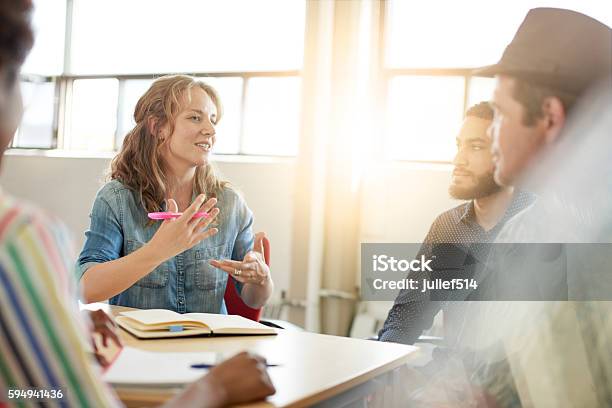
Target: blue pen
212	365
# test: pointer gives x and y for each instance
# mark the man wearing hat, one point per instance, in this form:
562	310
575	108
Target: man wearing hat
554	59
534	353
555	56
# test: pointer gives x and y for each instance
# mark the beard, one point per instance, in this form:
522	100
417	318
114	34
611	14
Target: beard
485	186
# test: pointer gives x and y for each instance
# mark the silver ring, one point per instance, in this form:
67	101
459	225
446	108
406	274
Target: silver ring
237	272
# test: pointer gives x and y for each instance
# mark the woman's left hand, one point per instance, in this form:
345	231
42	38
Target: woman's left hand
252	269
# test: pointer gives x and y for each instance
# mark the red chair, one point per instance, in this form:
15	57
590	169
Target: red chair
234	302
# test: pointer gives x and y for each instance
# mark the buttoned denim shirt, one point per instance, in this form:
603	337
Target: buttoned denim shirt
185	283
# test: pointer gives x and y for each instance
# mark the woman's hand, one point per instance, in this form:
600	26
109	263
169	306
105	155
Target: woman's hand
242	378
178	235
253	268
107	279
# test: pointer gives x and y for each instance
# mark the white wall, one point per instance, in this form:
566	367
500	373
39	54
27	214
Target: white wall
401	199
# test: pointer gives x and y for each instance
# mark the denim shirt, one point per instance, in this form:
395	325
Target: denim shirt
185	283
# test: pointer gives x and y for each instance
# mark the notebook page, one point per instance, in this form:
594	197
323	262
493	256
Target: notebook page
147	368
220	321
154	316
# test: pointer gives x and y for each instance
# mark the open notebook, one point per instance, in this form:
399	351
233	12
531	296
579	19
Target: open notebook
159	323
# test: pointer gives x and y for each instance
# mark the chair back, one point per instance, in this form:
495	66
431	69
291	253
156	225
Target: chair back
234	302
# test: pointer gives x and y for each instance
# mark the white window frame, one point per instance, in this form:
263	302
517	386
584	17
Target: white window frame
63	96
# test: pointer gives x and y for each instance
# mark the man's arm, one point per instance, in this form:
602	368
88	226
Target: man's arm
412	312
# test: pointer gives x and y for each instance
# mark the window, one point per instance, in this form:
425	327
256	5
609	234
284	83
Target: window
480	89
272	113
37	127
49	24
153	36
416	106
93	115
229	128
38	87
130	91
430	49
252	52
116	48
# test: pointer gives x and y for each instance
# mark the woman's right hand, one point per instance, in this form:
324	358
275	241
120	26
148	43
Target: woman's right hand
178	235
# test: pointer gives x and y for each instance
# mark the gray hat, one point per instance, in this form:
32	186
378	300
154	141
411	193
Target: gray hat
559	48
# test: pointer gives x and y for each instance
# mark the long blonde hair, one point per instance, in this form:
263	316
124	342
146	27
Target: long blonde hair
139	163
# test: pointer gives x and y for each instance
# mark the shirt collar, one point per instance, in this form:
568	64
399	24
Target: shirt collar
468	215
520	201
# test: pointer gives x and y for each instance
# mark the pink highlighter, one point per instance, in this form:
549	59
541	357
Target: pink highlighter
170	215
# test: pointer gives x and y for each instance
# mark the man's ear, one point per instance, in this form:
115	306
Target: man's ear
554	117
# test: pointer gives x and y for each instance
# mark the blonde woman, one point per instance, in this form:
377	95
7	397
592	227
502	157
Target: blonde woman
164	165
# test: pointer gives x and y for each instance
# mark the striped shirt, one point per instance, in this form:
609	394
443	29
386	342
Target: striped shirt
43	339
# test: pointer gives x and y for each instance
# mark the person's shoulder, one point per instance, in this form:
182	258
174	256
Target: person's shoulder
112	188
445	226
516	229
19	211
112	191
229	196
453	215
521	200
17	215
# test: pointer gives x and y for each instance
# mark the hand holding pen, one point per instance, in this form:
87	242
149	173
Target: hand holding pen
176	234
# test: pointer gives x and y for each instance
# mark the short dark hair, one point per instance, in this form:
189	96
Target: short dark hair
531	96
482	110
16	37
